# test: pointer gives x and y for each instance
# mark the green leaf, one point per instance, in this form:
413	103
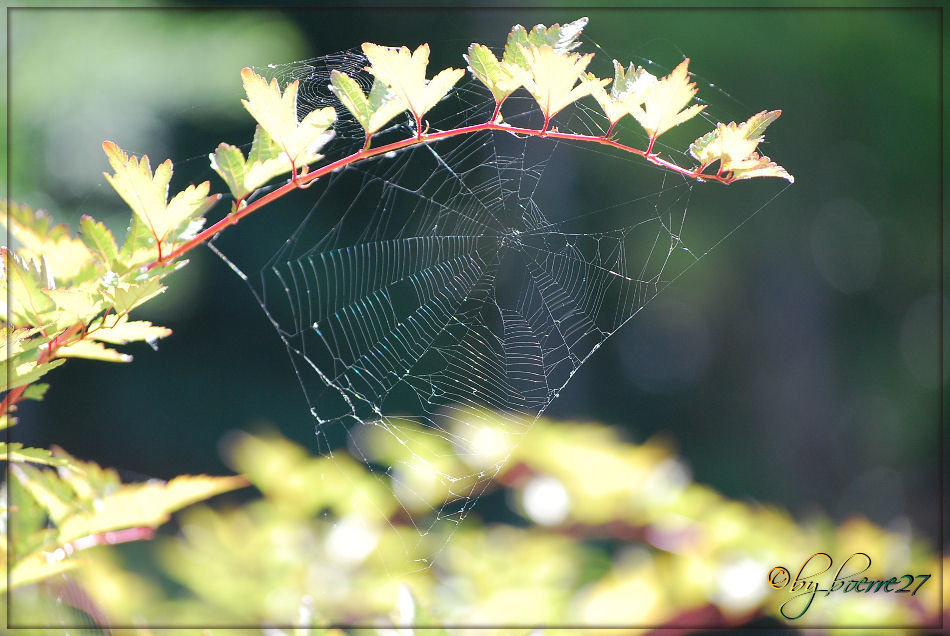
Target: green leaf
79	303
138	247
22	283
277	114
372	112
405	74
36	567
51	493
147	194
99	240
497	76
127	296
663	105
265	160
732	142
560	38
41	240
734	145
626	92
23	372
148	504
15	452
92	350
552	77
35	392
124	331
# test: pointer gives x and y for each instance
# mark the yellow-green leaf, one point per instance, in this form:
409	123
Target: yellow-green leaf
127	296
552	77
40	239
664	103
560	38
16	452
405	74
148	504
23	372
373	111
93	351
734	146
22	284
147	194
124	331
36	567
626	92
277	114
497	76
98	240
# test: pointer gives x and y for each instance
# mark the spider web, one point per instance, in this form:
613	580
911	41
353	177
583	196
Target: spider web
447	290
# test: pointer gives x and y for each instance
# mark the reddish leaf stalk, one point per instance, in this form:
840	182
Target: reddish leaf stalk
366	153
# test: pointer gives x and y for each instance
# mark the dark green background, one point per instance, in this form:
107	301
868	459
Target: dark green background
797	363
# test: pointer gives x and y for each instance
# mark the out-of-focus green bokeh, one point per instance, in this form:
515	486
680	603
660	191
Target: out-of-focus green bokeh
796	364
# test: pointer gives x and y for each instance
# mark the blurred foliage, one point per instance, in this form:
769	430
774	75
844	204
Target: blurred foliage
327	542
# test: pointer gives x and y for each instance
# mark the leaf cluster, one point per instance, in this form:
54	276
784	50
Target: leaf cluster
56	513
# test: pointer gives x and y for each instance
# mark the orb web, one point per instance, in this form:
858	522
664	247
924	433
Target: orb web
437	296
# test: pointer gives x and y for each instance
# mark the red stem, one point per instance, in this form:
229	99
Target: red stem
366	153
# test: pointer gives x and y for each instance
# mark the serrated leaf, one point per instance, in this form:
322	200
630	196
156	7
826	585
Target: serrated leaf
125	331
147	193
497	76
265	160
148	504
92	350
23	372
626	92
373	111
560	39
139	245
551	77
79	303
664	103
16	452
127	296
756	166
405	74
277	114
22	284
732	142
40	240
734	145
99	240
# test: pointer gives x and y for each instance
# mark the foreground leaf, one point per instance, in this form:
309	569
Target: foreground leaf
733	146
123	331
499	77
405	74
277	114
552	77
93	351
559	38
148	504
16	452
265	160
147	194
626	92
99	240
664	103
373	111
40	239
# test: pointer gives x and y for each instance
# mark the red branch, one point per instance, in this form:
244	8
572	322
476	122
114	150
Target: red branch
366	153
